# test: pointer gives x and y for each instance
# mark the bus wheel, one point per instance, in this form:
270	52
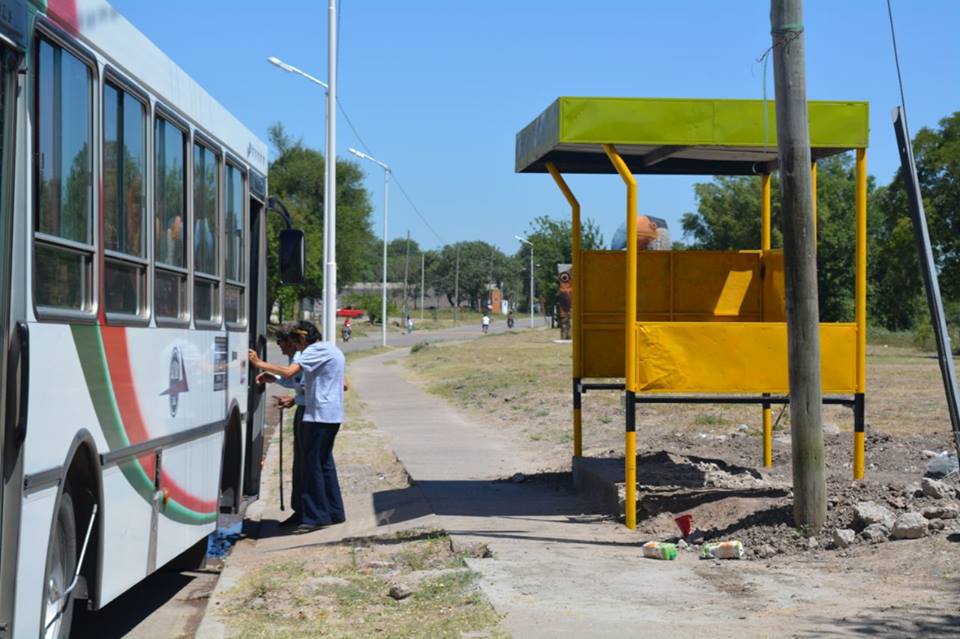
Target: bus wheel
61	564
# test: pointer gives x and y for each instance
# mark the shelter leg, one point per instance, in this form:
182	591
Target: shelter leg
577	423
630	459
859	435
767	437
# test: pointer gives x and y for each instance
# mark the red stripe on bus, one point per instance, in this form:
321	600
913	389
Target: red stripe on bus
121	376
65	13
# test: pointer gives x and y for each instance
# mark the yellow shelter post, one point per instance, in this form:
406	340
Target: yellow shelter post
630	339
577	307
765	244
813	180
860	301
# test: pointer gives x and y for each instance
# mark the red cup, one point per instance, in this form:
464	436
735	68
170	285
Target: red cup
685	524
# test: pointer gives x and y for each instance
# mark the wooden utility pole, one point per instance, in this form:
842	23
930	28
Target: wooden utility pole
423	279
800	264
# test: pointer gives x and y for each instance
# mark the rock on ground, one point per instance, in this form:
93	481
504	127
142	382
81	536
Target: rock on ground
910	525
940	512
843	537
875	533
935	489
869	513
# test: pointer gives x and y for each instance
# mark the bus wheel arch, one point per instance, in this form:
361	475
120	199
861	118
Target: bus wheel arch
231	468
80	489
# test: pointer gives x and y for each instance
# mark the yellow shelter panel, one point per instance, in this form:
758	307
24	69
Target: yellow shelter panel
736	357
716	284
774	297
603	282
653	284
603	351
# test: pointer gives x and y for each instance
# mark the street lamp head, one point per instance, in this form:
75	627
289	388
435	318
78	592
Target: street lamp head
280	63
365	156
524	240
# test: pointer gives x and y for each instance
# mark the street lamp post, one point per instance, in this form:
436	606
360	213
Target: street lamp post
530	244
329	191
386	181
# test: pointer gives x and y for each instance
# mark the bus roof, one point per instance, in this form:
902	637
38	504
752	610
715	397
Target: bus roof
678	136
110	35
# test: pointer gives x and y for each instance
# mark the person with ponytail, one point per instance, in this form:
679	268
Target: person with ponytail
321	366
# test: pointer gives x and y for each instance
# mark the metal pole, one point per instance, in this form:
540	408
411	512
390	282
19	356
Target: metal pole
330	184
422	280
406	272
531	285
928	268
383	300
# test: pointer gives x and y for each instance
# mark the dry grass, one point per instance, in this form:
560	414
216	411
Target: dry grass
342	590
522	381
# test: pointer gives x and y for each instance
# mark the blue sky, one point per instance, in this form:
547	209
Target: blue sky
438	89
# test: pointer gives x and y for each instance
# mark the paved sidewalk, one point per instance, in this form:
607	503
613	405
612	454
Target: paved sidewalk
557	570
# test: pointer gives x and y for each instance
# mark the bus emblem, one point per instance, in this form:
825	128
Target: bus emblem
178	380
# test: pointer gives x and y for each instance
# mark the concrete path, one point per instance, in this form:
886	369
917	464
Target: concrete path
558	570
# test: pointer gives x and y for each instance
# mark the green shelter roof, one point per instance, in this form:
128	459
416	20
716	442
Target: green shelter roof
678	136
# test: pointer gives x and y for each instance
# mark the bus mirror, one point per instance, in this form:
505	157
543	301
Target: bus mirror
292	254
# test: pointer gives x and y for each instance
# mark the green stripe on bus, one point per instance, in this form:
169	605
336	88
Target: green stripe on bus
93	362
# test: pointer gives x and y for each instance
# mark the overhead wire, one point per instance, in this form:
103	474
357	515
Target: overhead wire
403	191
896	59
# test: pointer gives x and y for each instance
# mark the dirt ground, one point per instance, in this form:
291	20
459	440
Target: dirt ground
405	584
706	461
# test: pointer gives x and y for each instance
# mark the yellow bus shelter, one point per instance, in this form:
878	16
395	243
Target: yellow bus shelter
694	326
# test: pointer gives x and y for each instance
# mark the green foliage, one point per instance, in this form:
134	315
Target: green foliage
896	288
481	265
297	177
552	241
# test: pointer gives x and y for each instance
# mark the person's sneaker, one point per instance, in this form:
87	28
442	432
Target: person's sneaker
291	521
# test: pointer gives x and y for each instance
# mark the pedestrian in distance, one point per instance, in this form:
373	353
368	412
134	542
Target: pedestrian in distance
291	342
409	325
322	366
485	323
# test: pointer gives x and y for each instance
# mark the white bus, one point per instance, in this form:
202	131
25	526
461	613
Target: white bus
132	262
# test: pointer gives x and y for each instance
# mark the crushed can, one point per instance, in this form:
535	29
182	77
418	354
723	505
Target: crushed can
722	550
659	550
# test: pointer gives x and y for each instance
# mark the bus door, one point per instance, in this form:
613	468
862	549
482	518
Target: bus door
256	394
13	334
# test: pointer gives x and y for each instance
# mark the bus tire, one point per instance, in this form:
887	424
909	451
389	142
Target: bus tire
61	564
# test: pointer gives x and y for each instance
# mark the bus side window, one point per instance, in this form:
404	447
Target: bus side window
63	214
124	204
206	236
235	248
170	214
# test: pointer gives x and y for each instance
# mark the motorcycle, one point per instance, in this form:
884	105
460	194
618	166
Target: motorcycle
509	322
346	333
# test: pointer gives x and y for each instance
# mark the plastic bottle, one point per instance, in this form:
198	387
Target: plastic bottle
659	550
722	550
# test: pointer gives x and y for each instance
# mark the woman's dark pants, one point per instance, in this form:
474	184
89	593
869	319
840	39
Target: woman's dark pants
321	501
296	498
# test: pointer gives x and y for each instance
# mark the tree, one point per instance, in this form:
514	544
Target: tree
728	219
297	178
481	265
552	241
897	301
